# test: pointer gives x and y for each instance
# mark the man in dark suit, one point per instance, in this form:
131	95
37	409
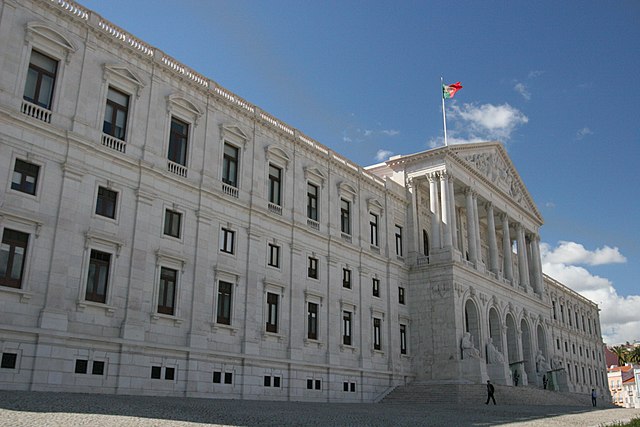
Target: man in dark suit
490	391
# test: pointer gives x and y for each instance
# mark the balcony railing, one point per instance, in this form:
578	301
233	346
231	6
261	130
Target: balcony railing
313	224
276	209
35	111
230	190
177	168
346	237
114	143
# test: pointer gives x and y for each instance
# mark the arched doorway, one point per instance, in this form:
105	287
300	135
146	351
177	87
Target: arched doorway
425	243
542	342
512	340
472	323
495	331
527	350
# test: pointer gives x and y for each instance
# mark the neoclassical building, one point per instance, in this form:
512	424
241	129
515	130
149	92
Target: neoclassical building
161	235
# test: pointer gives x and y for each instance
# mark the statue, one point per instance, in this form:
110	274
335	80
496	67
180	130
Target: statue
493	354
542	365
468	350
556	362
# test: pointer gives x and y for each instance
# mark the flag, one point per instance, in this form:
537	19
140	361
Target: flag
449	90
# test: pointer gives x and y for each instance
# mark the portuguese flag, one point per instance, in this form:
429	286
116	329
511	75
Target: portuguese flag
449	90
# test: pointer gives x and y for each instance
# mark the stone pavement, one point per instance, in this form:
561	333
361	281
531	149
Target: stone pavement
19	408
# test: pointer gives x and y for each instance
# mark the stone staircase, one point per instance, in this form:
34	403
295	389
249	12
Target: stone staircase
473	394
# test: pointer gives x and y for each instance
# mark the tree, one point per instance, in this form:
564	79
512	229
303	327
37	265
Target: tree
634	355
622	354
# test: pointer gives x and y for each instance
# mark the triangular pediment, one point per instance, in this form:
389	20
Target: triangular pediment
124	73
490	160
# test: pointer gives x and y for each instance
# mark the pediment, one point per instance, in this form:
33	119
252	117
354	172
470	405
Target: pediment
490	160
234	134
50	39
277	153
124	73
315	174
183	105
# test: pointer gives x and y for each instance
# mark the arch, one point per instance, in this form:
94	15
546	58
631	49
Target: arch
472	322
425	242
512	339
528	356
495	329
542	341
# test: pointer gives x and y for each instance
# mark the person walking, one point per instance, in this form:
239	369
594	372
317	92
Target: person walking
490	391
594	395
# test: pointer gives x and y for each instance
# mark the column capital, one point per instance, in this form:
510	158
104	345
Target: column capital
432	177
468	191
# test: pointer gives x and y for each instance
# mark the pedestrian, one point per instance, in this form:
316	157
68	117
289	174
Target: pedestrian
490	391
593	396
515	378
544	382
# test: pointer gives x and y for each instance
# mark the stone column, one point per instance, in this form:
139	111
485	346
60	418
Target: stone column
452	211
537	264
523	268
446	213
506	248
476	223
491	234
412	185
435	211
471	226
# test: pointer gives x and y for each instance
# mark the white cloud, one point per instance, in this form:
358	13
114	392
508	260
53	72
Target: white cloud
383	155
390	132
585	131
523	90
619	315
575	253
535	73
486	122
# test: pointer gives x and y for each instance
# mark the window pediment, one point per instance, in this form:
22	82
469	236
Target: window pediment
314	174
275	153
43	36
234	134
181	105
374	205
347	190
124	77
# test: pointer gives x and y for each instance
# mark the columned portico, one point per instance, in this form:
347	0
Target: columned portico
491	233
446	211
471	226
506	248
523	268
435	211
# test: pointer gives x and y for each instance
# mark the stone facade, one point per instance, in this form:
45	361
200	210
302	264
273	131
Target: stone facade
162	235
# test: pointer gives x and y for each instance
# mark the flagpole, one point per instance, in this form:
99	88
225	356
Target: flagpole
444	115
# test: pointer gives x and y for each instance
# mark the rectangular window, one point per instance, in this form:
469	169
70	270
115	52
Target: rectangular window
81	366
227	238
312	201
318	384
346	327
225	290
558	343
98	276
272	312
228	377
403	339
167	294
106	203
9	360
98	368
312	321
401	299
274	255
309	384
217	377
312	270
156	372
172	223
25	177
346	278
377	330
12	257
275	184
398	240
554	310
169	373
230	162
345	216
267	381
115	114
562	312
373	229
41	78
178	139
570	317
375	284
352	387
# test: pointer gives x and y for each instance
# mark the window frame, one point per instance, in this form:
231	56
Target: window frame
25	173
313	212
347	327
373	229
313	272
273	255
402	295
228	160
345	216
377	333
398	238
275	184
272	301
403	339
171	214
312	320
115	108
375	287
91	289
116	205
347	276
40	73
227	240
169	310
221	298
183	140
6	281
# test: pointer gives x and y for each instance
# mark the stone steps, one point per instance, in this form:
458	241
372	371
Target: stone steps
461	394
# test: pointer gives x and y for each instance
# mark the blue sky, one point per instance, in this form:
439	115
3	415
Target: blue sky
556	82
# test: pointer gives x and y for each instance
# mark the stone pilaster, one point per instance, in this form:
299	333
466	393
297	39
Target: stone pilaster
471	226
491	233
523	268
506	248
446	212
452	212
435	211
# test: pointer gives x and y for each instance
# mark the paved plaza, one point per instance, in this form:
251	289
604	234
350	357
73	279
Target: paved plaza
70	409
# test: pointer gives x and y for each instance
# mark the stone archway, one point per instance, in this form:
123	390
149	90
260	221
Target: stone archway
542	342
495	330
527	350
472	323
512	340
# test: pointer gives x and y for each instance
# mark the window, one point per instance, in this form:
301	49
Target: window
314	384
425	243
274	255
41	79
228	377
98	368
9	360
272	312
554	310
81	366
312	270
312	321
106	204
169	373
401	299
345	216
217	377
227	238
398	240
558	343
178	138
566	346
156	372
224	302
373	229
403	339
25	177
275	184
349	386
172	223
115	114
377	330
267	380
375	284
230	165
346	327
166	297
98	277
12	257
562	312
570	318
312	201
346	278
